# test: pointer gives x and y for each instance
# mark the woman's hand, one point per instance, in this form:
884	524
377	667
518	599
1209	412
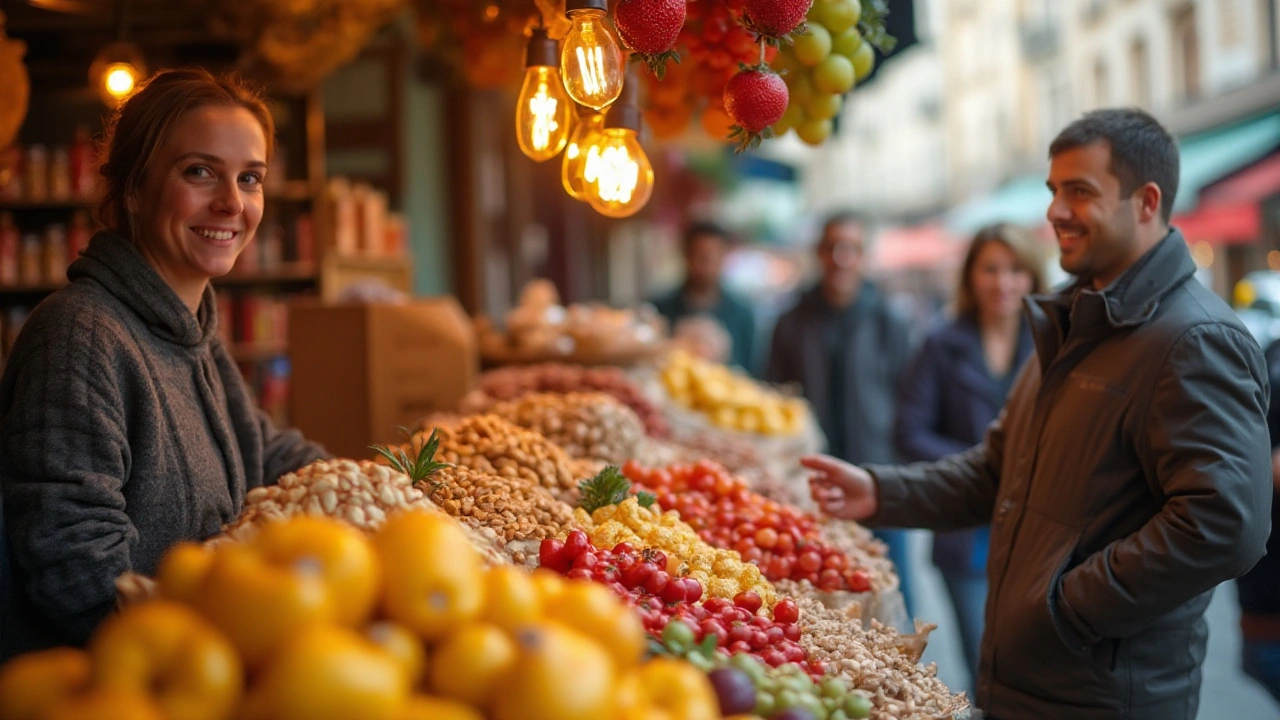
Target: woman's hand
841	490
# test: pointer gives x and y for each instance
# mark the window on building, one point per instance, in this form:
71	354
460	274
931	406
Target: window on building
1186	45
1101	93
1229	34
1139	73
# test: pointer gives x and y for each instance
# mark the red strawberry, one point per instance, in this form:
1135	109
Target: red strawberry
775	18
650	29
755	98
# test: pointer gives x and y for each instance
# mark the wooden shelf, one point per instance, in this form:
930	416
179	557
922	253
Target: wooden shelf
290	190
250	352
368	262
294	273
70	204
33	289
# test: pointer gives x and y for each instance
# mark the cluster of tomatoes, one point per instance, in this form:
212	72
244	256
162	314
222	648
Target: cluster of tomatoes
641	577
781	540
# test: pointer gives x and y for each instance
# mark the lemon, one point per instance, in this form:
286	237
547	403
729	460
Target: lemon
469	663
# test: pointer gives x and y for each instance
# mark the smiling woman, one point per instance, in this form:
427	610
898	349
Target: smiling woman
125	425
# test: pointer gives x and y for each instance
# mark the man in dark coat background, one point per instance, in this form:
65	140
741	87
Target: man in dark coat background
847	350
1130	472
706	245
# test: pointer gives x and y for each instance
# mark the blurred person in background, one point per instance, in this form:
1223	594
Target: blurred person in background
956	386
706	245
846	348
1259	589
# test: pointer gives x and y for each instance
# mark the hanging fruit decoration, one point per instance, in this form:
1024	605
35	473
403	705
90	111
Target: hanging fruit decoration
15	89
751	70
650	28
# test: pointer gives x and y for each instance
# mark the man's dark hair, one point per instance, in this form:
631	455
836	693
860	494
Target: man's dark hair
1142	151
843	217
702	228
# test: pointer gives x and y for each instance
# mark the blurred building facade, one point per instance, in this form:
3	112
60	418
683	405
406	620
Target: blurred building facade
960	126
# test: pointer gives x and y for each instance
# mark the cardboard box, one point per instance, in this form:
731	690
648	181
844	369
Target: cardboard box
361	371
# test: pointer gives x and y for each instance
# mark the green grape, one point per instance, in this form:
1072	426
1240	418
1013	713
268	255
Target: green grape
794	114
836	16
834	75
812	47
813	705
678	635
833	688
749	665
863	61
823	107
786	699
845	43
785	62
857	706
800	89
837	714
700	661
799	683
814	132
765	704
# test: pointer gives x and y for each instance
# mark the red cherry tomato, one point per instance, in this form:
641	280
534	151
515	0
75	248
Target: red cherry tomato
786	611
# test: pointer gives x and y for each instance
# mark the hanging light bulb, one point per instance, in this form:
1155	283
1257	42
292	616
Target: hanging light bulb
618	175
116	71
587	127
542	111
591	60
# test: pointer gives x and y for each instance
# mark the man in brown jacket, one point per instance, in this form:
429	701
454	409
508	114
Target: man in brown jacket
1129	473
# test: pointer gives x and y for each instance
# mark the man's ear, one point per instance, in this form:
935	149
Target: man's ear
1149	200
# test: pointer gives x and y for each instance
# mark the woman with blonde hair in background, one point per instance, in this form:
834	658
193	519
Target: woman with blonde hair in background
957	384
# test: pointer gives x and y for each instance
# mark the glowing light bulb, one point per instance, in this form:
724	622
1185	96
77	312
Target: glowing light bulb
591	59
120	79
575	154
542	111
618	175
116	71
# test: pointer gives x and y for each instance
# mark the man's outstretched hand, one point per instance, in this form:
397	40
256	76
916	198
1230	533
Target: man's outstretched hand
841	490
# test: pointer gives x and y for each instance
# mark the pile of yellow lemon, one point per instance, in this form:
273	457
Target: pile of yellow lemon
730	399
313	620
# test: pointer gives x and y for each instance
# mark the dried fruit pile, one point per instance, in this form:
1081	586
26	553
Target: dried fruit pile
514	509
362	493
512	382
592	426
730	399
313	620
782	540
878	661
491	445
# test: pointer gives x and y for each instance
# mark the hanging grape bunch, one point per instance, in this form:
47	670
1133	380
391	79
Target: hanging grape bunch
758	68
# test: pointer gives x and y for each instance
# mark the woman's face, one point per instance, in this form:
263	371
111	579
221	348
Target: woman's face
201	199
999	281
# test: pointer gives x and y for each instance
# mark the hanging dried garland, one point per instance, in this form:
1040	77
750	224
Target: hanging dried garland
15	88
295	44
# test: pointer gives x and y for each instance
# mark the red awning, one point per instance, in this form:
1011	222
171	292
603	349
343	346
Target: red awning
1230	210
918	246
1235	224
